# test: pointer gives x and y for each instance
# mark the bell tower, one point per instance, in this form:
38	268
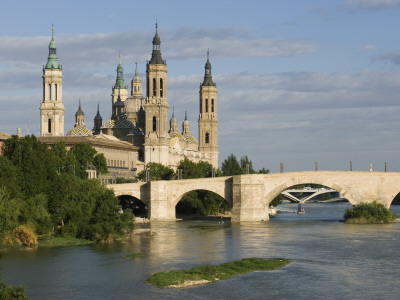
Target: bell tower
208	120
52	107
156	107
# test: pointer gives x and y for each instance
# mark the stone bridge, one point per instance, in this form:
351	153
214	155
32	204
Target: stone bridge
250	195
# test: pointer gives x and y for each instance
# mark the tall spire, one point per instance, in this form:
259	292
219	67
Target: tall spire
120	83
156	58
207	74
52	60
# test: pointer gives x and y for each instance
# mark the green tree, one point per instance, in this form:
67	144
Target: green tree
100	162
156	171
244	162
36	163
34	212
191	169
9	212
9	177
9	292
230	166
263	171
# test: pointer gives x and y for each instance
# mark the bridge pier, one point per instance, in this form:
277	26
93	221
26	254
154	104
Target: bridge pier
160	208
248	204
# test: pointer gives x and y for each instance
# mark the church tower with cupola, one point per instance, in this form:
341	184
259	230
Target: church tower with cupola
156	107
52	107
208	121
119	90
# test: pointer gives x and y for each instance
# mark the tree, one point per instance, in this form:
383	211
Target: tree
263	171
191	169
230	166
36	163
156	171
9	211
80	154
9	177
244	162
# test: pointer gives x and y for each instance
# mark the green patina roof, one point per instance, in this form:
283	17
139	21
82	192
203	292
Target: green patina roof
52	60
120	83
207	74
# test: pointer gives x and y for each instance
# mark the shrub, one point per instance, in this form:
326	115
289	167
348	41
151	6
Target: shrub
24	235
369	213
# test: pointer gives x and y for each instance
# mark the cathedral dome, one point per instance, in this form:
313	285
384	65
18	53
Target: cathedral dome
79	131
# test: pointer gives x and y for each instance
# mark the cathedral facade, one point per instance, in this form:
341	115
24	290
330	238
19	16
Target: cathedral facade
140	120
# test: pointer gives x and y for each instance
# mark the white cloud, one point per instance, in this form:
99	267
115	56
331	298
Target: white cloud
354	5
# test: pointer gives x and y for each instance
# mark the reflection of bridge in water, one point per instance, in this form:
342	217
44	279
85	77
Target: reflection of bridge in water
250	195
305	194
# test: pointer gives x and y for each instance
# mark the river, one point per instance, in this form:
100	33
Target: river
331	260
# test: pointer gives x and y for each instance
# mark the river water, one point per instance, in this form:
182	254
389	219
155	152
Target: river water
331	260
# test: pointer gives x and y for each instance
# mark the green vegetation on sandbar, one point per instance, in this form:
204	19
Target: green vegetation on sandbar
369	213
56	241
134	255
211	273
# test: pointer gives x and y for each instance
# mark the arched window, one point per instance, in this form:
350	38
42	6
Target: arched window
206	105
147	87
207	138
154	123
161	87
154	87
49	125
55	91
49	91
135	88
212	105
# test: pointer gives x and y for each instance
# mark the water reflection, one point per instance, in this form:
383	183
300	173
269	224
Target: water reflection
331	259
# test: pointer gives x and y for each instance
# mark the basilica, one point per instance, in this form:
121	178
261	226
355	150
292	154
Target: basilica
137	132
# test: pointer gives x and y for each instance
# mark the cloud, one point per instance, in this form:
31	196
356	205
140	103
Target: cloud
392	57
356	5
367	48
101	49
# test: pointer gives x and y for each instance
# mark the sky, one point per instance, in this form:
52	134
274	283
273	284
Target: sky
298	82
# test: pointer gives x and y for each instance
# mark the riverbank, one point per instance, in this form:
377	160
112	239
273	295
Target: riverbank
210	273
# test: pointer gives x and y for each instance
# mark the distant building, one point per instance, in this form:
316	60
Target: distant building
136	120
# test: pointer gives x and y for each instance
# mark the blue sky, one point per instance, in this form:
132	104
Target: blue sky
298	81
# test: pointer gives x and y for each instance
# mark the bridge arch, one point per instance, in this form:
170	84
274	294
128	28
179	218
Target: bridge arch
270	194
204	202
139	208
207	184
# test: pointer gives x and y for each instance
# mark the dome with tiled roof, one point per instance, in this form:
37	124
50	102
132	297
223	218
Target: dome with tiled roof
190	138
123	123
79	127
79	131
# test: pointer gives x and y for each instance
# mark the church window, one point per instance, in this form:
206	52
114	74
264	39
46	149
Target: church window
135	88
154	123
147	87
154	87
49	125
49	91
206	105
207	138
161	87
55	91
212	105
